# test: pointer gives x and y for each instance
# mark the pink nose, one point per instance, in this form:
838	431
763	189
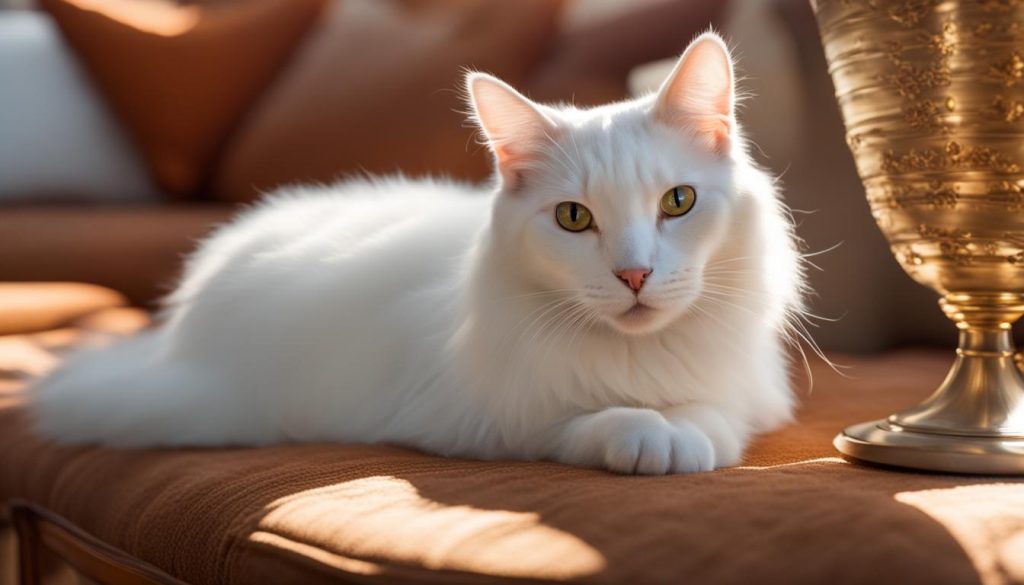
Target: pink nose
633	277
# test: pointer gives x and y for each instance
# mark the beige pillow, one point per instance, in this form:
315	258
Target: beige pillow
377	89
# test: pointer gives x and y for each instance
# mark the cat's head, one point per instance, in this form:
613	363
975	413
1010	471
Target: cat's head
619	206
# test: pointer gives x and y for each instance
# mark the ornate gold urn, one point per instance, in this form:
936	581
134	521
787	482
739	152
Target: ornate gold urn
932	94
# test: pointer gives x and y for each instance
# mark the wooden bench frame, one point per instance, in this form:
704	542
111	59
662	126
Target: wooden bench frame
40	531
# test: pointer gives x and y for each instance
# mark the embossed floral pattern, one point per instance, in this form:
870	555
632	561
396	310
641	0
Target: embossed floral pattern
934	93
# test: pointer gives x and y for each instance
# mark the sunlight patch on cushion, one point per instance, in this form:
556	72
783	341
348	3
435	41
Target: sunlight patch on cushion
988	522
385	517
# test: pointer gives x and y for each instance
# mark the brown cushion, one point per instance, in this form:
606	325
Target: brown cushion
793	513
180	77
377	89
590	61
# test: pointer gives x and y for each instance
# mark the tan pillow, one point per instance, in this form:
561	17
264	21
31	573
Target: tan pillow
377	89
180	77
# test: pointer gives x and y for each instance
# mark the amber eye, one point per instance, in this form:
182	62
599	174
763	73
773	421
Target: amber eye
573	216
678	200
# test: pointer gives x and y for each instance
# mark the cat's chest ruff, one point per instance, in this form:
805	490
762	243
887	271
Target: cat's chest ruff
649	375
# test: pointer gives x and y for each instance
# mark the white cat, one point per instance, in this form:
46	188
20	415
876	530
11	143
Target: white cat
619	300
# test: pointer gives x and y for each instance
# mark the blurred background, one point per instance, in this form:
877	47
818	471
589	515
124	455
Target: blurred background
129	128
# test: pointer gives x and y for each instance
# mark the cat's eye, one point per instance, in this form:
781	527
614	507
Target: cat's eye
678	200
573	216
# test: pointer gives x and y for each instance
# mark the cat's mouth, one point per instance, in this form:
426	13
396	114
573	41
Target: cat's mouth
638	319
638	312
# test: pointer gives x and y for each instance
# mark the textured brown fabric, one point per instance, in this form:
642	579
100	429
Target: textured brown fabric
180	77
377	89
137	251
793	513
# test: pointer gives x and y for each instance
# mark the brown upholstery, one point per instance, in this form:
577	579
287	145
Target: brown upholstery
589	64
137	251
180	77
793	513
376	89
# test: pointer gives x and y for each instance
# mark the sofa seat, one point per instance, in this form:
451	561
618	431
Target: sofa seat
792	513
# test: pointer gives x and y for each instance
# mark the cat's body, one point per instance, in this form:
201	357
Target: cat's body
466	322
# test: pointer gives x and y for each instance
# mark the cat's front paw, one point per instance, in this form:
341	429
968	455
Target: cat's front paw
641	441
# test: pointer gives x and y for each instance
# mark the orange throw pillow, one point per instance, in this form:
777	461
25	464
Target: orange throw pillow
181	77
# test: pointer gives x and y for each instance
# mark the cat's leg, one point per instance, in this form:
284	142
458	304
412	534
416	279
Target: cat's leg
634	440
727	431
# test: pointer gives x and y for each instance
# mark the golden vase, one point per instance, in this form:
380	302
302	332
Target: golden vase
932	95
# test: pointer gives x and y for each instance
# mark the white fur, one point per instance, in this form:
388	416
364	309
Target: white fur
465	321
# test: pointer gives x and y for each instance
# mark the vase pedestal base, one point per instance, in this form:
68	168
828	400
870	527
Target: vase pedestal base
887	444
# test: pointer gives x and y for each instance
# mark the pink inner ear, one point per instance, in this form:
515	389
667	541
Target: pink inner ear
513	155
698	96
715	131
515	127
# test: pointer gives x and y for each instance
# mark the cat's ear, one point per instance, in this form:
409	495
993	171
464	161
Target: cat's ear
699	94
516	128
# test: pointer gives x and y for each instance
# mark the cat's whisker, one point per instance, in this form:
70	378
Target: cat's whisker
575	146
732	345
565	168
679	295
525	324
544	310
790	327
730	296
798	326
804	257
809	315
575	168
738	292
585	316
553	291
542	322
710	285
798	317
728	270
551	329
735	259
831	248
740	278
571	317
517	346
728	303
556	330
